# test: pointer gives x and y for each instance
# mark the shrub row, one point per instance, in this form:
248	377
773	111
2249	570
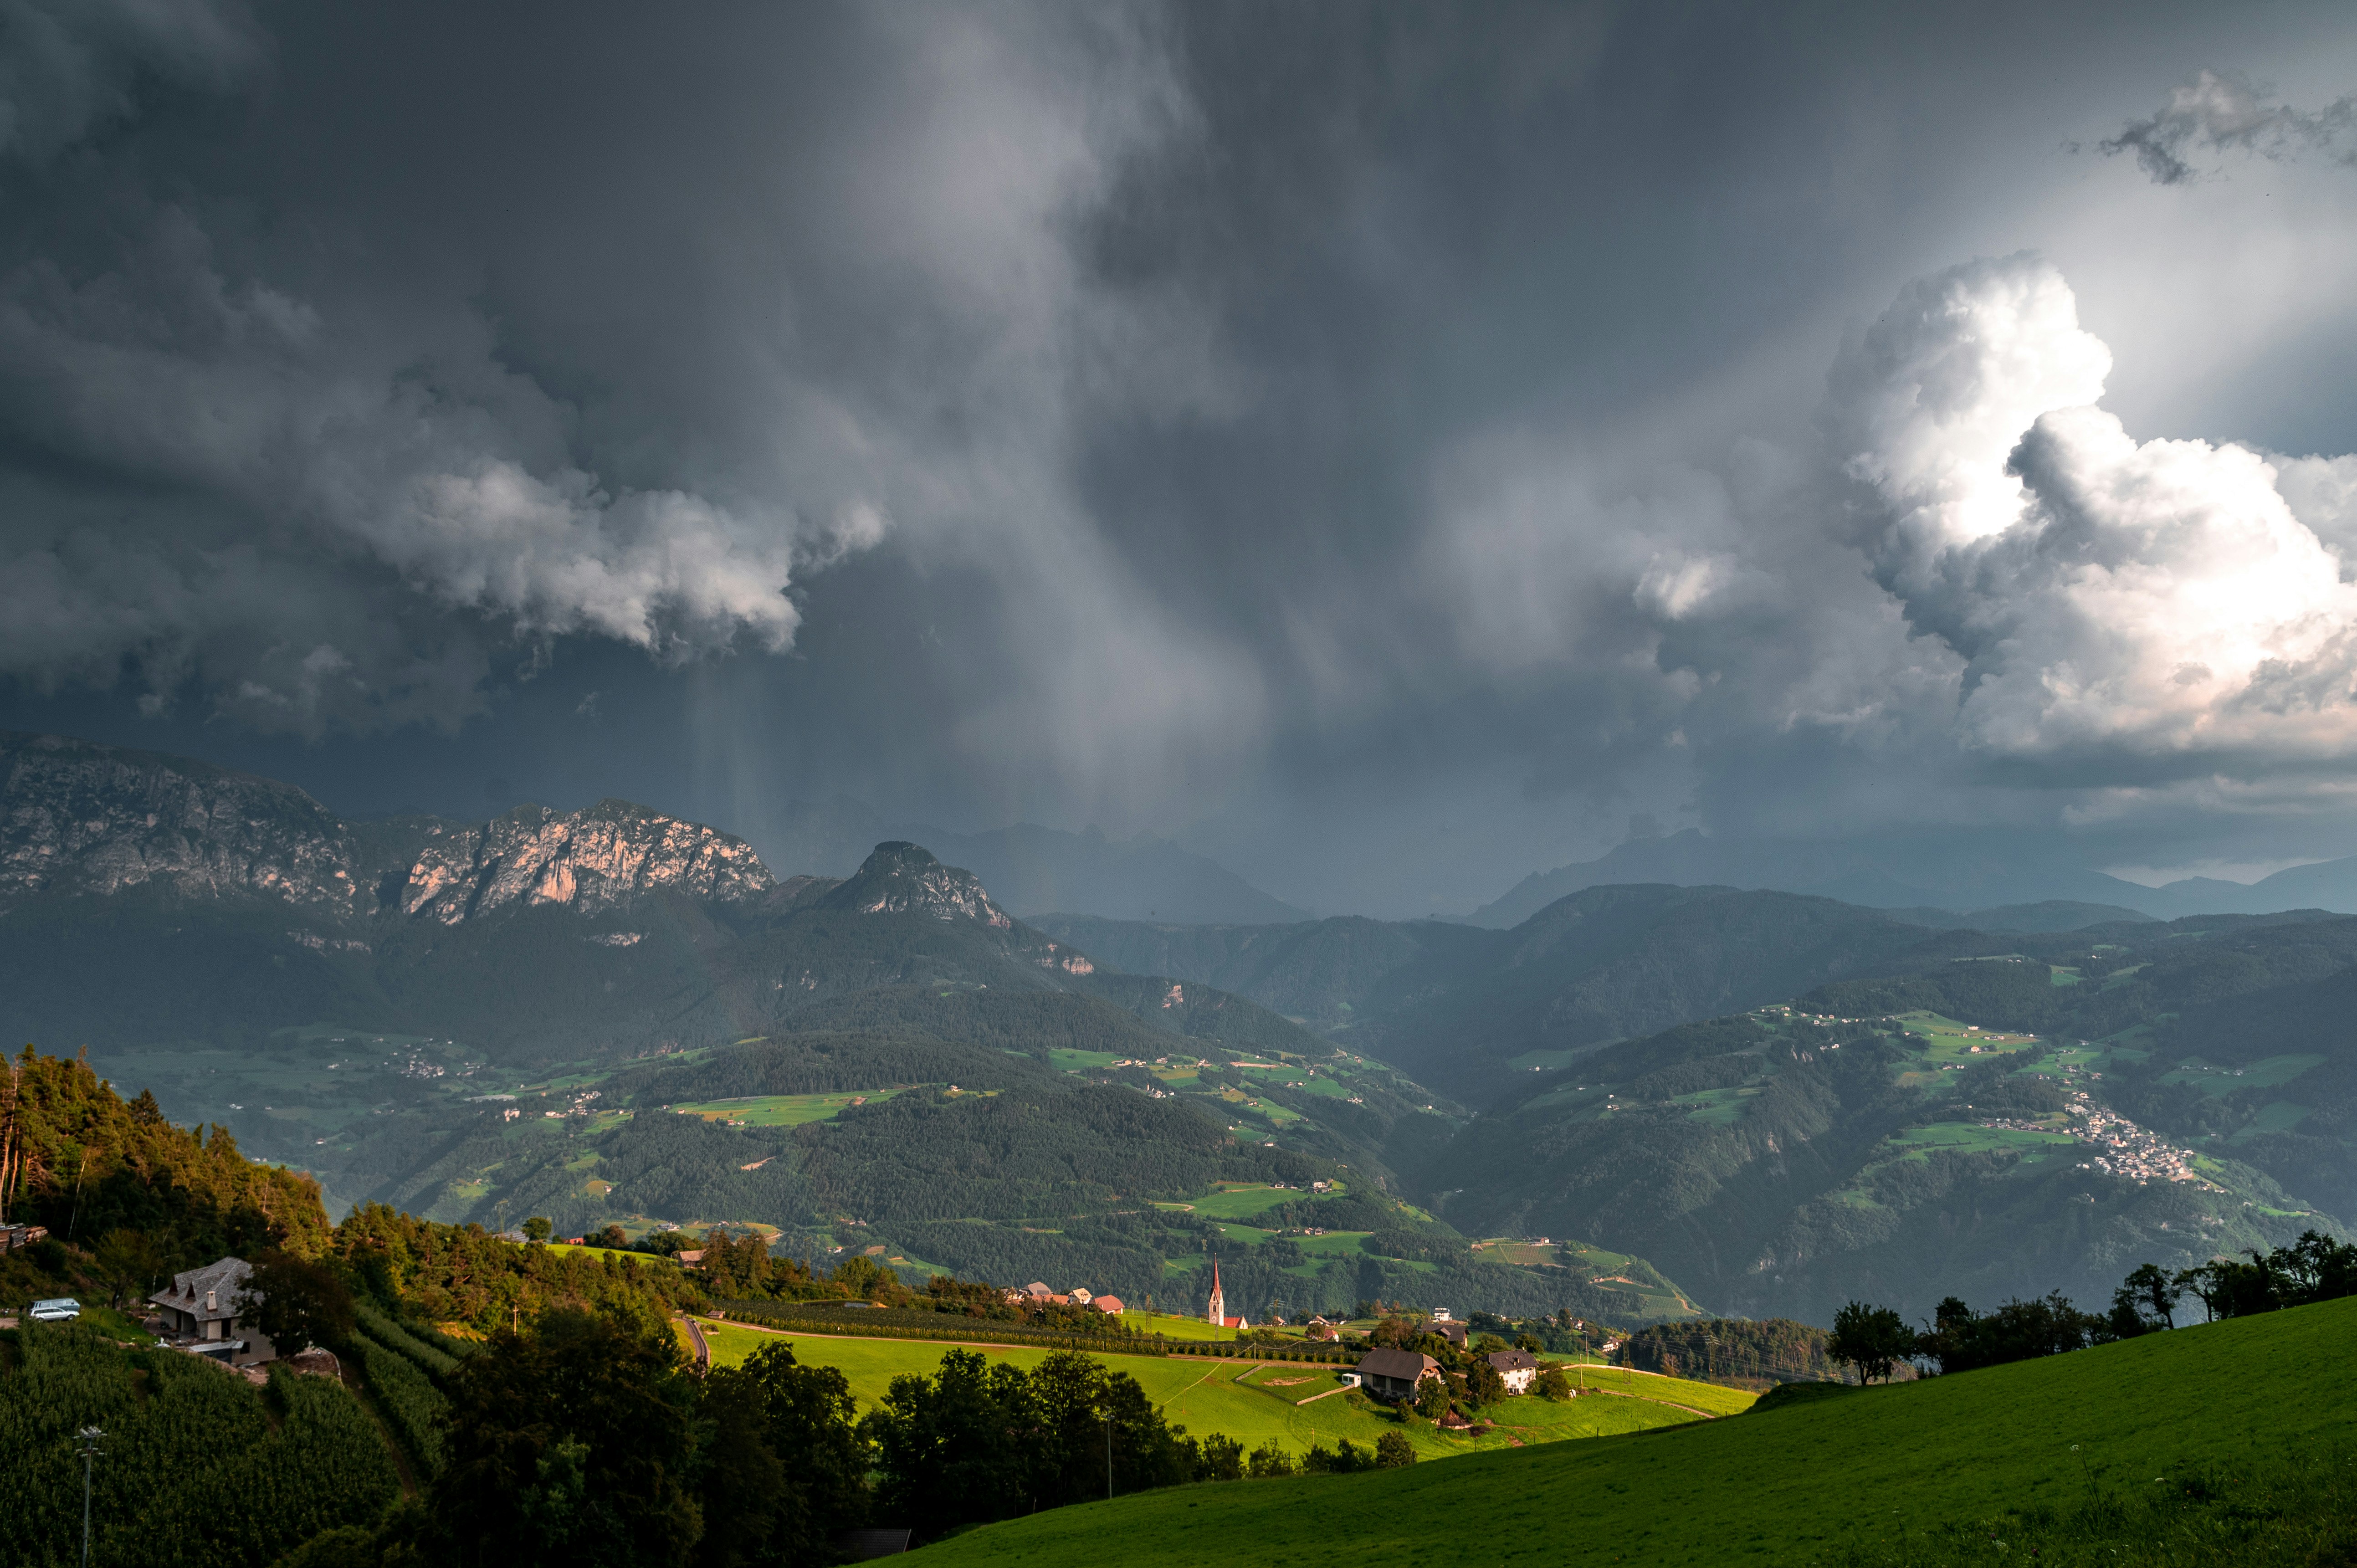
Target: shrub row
412	1405
869	1326
392	1335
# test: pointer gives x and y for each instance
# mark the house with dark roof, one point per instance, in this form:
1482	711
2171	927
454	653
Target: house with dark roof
1519	1369
1452	1332
209	1310
1394	1374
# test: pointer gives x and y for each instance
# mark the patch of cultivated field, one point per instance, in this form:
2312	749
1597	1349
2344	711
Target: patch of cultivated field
781	1110
1237	1200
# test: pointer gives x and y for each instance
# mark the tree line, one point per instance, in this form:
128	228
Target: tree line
1876	1339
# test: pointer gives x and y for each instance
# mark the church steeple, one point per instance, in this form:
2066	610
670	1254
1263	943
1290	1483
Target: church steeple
1217	1313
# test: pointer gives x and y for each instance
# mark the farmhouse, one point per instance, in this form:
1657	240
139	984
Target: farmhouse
201	1311
1452	1332
1109	1305
1394	1374
1518	1367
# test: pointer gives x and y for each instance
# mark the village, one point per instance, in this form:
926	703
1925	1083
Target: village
2130	1151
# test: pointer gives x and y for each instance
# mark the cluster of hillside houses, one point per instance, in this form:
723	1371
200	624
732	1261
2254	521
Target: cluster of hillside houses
1036	1293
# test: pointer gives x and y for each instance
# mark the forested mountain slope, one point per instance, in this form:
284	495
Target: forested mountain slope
1985	1115
1464	1009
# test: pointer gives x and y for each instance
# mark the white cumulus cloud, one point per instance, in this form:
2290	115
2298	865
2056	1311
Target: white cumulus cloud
2118	605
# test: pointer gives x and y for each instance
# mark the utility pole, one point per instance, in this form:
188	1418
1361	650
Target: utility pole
89	1436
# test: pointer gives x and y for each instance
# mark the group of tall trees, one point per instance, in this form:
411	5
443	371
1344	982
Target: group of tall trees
114	1178
1876	1340
588	1439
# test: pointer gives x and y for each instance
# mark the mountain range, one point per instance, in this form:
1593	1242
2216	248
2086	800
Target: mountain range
1773	1099
1918	875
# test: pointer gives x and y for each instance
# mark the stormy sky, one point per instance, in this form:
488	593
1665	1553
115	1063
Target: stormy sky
1390	448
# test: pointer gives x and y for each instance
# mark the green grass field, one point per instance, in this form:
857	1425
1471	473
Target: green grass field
781	1110
1262	1402
1970	1137
1862	1472
1237	1200
2278	1116
2272	1073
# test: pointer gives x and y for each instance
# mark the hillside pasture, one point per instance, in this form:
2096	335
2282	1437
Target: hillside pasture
1863	1473
785	1110
1237	1200
2273	1072
1265	1402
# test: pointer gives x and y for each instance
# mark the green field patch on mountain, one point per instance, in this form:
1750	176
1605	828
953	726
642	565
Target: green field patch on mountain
1237	1200
1334	1244
1943	1039
786	1110
1068	1060
1847	1474
1972	1138
2273	1072
2278	1116
1718	1106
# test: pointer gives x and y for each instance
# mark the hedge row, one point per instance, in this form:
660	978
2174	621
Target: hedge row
811	1322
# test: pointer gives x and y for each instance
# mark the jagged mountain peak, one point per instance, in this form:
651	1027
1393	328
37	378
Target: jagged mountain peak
80	817
593	859
902	878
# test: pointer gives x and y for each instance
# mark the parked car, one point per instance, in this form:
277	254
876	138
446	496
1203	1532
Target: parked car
56	1309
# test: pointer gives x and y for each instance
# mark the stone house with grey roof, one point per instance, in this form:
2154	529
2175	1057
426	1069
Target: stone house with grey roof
206	1310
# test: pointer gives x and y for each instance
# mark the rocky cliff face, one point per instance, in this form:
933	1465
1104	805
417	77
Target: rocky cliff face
905	879
594	861
78	818
81	818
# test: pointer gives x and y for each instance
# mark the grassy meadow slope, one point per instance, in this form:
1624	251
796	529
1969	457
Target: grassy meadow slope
1291	1404
1814	1480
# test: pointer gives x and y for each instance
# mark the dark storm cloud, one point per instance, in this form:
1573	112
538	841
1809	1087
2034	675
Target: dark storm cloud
1303	422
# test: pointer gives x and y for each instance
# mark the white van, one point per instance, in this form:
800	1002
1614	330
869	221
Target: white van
56	1309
